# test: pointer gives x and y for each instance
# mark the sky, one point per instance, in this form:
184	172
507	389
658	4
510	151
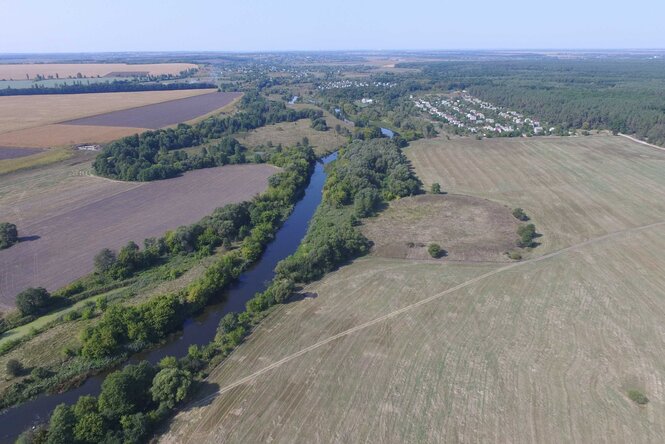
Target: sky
35	26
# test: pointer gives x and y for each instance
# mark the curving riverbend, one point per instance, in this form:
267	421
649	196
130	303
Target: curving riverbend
197	331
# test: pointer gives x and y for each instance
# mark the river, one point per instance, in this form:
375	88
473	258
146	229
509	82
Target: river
200	330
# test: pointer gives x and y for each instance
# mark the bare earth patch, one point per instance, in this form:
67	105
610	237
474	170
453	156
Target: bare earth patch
73	223
468	228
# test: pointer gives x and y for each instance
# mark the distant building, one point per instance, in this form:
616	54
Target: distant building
89	147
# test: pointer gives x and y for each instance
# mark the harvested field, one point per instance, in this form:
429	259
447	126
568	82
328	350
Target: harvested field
543	350
19	71
161	114
66	135
573	188
290	133
20	112
14	153
68	224
468	228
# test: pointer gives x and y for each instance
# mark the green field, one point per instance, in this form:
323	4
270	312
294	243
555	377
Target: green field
542	350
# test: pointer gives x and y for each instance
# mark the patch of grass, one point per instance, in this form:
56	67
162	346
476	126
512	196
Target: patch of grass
638	397
36	160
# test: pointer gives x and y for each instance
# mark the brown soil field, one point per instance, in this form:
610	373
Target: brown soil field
289	133
542	350
69	223
65	70
468	228
20	112
161	114
65	135
14	153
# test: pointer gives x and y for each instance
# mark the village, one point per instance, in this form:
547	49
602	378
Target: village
468	115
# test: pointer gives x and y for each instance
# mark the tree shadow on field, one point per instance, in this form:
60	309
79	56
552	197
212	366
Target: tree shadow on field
204	394
298	296
28	238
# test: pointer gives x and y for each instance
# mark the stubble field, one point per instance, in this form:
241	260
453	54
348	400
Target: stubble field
542	350
19	71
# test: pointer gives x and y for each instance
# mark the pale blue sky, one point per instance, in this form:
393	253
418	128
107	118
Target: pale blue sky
248	25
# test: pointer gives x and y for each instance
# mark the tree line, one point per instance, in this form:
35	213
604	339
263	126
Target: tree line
152	156
78	87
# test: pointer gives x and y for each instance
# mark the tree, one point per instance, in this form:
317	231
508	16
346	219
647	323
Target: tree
8	235
126	391
436	188
135	428
170	386
32	300
90	428
61	425
435	250
526	233
519	214
105	260
14	367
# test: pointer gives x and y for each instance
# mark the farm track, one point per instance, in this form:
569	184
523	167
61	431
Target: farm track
417	305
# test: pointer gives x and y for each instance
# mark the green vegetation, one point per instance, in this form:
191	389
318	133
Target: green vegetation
78	87
124	329
622	95
32	301
519	214
131	403
435	250
14	367
526	233
155	155
638	397
365	174
8	235
436	188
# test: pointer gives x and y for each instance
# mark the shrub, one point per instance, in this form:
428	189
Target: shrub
638	397
8	235
515	255
104	261
436	188
14	367
39	373
32	300
519	214
526	234
435	251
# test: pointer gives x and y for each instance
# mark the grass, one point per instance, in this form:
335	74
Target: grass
541	350
638	397
290	133
36	160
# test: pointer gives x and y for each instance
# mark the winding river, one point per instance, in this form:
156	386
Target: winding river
200	330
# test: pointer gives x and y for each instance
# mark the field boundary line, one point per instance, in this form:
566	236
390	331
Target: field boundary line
410	307
642	142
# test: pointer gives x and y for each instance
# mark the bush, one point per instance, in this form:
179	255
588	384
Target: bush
14	367
435	250
526	233
519	214
8	235
39	373
638	397
515	255
436	188
32	300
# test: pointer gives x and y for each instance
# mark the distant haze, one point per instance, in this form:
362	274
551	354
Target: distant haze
264	25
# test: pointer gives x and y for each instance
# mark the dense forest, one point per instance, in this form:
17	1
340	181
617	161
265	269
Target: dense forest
78	87
151	155
626	96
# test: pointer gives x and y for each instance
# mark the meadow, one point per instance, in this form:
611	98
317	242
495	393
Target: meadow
547	349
